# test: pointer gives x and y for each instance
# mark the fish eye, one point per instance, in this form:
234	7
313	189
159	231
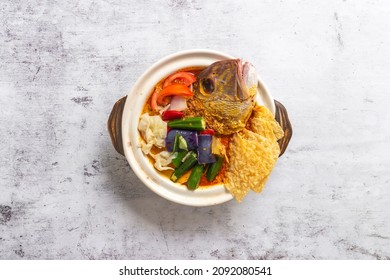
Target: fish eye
208	85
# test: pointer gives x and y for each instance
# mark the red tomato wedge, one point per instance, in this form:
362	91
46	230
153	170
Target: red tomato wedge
153	102
186	78
173	90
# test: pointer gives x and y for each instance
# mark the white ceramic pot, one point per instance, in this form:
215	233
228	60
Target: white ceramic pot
135	101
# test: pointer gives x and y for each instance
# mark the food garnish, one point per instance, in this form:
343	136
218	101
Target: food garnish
208	131
204	150
190	161
252	155
185	78
170	90
177	158
190	137
178	103
217	148
171	115
176	85
196	174
214	169
192	123
153	130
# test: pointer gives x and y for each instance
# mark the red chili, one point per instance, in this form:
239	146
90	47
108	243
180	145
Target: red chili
208	131
171	115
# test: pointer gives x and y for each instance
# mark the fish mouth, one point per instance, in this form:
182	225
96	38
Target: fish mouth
247	78
240	70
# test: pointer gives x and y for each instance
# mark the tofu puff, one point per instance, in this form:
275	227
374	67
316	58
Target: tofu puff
253	154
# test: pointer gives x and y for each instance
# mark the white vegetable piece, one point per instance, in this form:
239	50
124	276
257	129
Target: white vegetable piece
178	103
154	130
162	159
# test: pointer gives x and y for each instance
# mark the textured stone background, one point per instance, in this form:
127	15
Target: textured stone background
66	194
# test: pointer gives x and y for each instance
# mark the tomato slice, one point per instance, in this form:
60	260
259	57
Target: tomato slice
153	101
186	78
173	90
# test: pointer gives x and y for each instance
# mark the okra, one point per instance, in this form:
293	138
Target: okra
180	143
183	143
214	169
177	158
176	142
196	174
184	167
192	123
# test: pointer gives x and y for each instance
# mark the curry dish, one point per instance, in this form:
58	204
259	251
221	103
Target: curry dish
201	126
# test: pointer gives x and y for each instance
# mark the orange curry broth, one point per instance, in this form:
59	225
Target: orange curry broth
225	140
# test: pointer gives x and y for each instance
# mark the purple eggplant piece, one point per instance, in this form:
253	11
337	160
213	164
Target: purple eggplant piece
190	136
204	149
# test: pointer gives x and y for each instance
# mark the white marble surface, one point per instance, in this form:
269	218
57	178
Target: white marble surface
66	194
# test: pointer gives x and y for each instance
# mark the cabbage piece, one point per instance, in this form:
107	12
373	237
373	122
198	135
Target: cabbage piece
146	147
162	159
153	130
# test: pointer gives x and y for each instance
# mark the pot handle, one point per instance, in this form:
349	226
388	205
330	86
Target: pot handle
281	117
114	125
